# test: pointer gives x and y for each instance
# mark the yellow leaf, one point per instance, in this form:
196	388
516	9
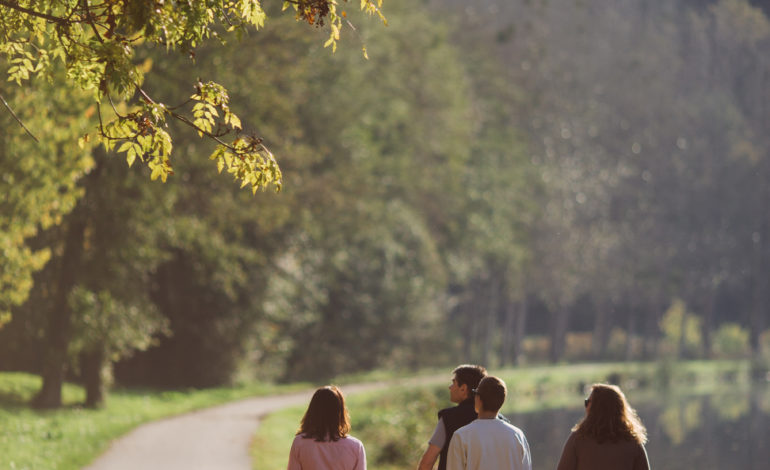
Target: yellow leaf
156	171
125	147
235	121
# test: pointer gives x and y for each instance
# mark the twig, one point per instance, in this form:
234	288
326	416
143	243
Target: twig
17	119
52	19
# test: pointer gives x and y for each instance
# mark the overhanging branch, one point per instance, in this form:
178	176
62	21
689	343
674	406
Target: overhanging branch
28	11
17	119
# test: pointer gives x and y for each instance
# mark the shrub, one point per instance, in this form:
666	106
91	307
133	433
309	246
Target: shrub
731	341
681	328
579	346
535	348
400	422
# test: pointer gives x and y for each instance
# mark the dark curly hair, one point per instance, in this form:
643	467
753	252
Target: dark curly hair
610	417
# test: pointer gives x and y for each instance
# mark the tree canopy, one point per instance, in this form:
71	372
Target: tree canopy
79	62
97	40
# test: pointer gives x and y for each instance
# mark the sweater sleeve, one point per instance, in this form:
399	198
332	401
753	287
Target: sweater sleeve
568	460
361	461
456	458
641	462
526	458
294	457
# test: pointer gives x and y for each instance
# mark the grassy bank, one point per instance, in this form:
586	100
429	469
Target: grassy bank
396	423
71	437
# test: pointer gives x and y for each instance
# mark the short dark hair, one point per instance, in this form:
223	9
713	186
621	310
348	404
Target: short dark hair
470	375
326	417
492	392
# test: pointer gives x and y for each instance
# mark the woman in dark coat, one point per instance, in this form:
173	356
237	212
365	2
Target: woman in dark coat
610	436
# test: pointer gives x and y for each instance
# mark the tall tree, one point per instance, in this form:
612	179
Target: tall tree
39	176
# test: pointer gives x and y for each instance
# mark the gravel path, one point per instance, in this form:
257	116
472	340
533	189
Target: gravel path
212	439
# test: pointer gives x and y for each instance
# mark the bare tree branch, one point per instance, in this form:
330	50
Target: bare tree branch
52	19
17	118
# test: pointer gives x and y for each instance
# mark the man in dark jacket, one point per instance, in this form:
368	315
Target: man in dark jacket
465	378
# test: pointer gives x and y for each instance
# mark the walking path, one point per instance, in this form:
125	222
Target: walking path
212	439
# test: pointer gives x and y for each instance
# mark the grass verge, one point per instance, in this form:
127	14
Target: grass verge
71	437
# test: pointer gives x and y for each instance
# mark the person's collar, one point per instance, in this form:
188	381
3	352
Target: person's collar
467	402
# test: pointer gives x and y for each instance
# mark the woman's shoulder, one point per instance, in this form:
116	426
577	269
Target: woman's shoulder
346	441
352	441
578	438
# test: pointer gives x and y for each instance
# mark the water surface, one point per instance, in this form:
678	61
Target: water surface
730	430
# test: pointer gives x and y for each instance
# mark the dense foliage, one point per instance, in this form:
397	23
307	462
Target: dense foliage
97	42
93	47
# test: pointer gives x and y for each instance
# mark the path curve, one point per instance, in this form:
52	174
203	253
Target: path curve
211	439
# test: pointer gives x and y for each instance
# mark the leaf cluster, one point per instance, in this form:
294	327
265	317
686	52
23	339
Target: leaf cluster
97	40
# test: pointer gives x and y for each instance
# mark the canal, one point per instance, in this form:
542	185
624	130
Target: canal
725	430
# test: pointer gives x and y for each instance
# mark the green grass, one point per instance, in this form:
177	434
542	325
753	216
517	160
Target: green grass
272	442
71	437
395	423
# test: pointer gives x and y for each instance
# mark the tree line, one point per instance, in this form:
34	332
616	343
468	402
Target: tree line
521	169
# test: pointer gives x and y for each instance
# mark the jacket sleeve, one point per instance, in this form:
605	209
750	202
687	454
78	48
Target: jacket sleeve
642	462
568	460
456	458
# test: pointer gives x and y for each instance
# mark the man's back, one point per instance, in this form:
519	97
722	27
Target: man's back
489	444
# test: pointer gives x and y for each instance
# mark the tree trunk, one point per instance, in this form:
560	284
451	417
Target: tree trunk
491	318
520	330
759	284
559	323
650	332
601	330
680	344
509	325
707	326
630	333
57	335
92	364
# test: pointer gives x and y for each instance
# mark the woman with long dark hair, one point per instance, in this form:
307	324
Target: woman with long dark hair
322	441
610	436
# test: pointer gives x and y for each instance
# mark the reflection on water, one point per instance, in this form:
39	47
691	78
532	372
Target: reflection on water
720	431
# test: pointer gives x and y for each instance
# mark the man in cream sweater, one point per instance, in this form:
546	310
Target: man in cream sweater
489	443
